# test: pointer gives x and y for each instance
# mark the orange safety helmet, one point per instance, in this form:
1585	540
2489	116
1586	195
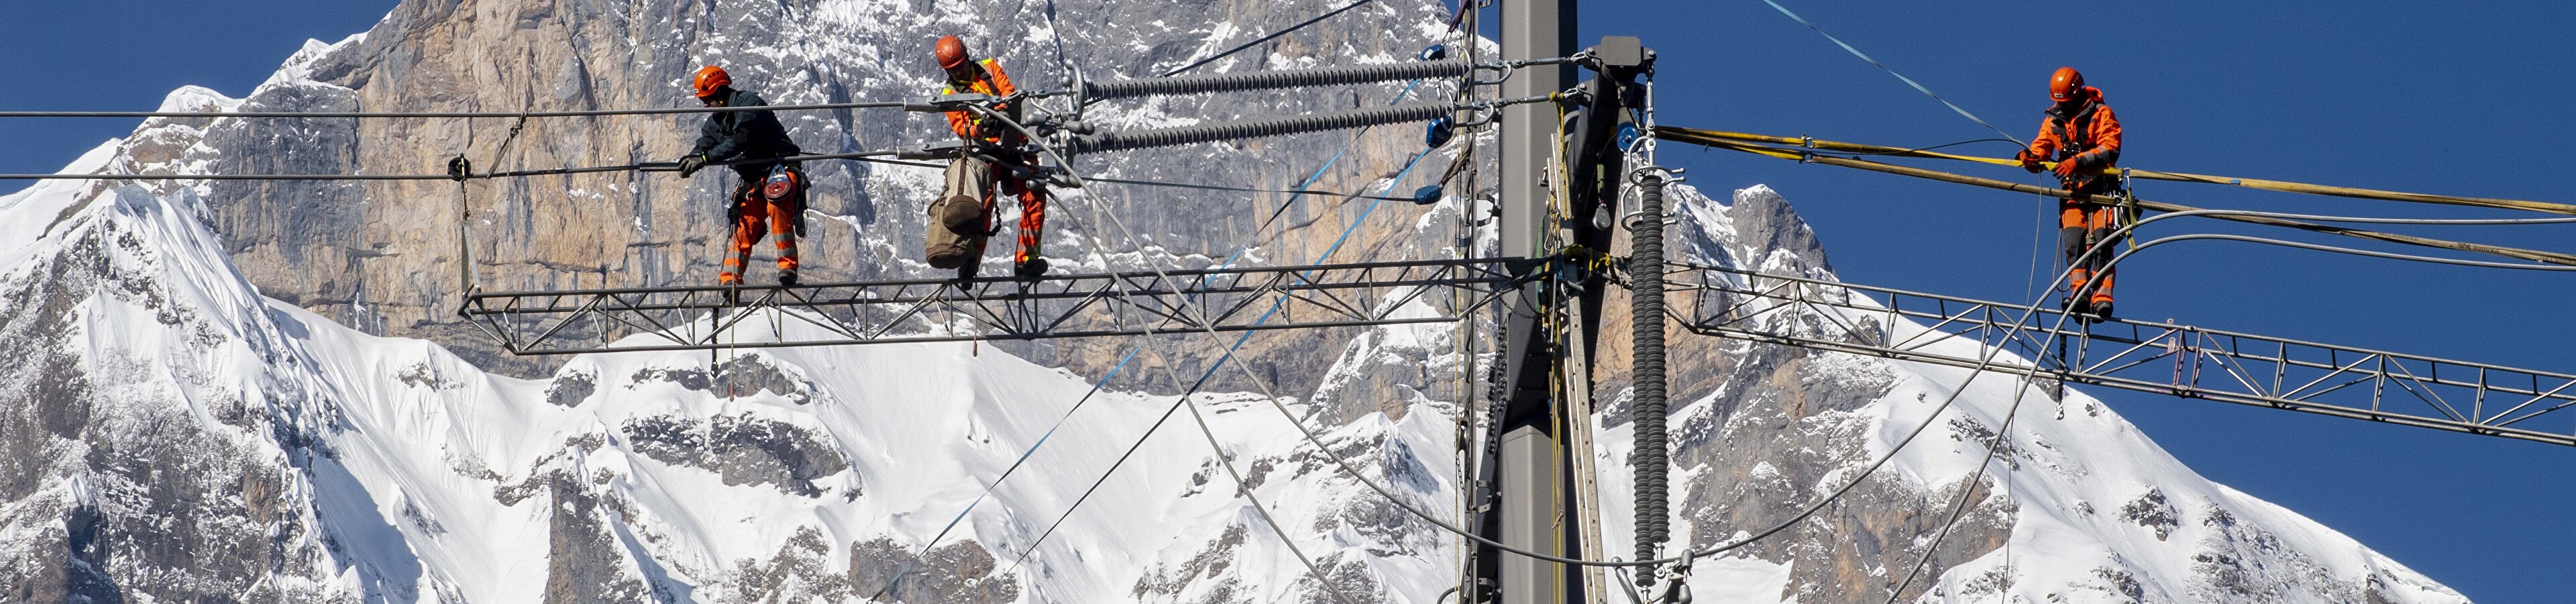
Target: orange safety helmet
2065	85
710	79
951	52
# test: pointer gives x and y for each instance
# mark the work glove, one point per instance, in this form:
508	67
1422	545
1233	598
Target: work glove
2029	161
2070	168
691	164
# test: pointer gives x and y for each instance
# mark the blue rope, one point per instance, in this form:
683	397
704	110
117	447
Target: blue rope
1918	86
1006	474
1228	355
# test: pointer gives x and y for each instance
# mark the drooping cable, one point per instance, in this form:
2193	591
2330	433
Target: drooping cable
2143	204
1183	135
1166	363
1811	143
1959	508
1257	41
1266	80
1005	475
635	167
440	114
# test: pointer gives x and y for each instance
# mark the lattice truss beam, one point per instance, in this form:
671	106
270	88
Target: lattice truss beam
2178	360
998	308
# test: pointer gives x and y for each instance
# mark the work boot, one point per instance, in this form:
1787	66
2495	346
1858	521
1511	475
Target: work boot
787	277
2100	309
1031	268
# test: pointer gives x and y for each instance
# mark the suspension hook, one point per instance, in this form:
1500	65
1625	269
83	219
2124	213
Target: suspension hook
1633	219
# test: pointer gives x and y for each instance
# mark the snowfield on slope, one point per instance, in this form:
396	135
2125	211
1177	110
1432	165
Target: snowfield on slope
808	472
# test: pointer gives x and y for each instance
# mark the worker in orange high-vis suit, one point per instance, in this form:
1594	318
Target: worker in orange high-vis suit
995	165
2083	139
770	198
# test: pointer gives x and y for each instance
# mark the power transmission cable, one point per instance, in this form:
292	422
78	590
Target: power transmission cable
2030	312
441	114
1939	146
1166	363
1242	487
1701	136
1299	190
1918	86
1805	156
1959	508
1272	36
635	167
1228	355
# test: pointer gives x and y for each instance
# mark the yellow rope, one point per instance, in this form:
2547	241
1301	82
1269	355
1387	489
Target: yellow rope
1704	137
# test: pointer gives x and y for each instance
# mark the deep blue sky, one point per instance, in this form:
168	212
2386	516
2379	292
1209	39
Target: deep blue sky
125	55
2458	98
2462	99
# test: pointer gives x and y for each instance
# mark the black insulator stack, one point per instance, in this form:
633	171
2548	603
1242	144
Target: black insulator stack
1260	80
1166	137
1646	285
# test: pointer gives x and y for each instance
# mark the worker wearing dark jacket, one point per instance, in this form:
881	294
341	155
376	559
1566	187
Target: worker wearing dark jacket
961	218
2083	139
771	194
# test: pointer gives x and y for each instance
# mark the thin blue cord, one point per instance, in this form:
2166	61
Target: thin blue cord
1203	377
1006	474
1890	71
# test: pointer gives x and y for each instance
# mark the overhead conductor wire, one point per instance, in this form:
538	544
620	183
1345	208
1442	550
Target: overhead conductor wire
1242	487
1269	393
1959	507
1257	41
1319	172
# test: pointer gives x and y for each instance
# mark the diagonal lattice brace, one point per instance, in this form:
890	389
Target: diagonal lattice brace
2162	358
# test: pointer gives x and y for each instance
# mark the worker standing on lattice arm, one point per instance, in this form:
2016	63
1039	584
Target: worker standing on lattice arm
2083	138
961	219
771	194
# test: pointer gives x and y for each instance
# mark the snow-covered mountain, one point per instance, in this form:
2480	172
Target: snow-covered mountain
188	427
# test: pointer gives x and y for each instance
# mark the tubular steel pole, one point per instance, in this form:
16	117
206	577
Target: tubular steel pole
1529	465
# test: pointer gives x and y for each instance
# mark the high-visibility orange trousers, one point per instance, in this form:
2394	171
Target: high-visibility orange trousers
1033	200
754	215
2079	224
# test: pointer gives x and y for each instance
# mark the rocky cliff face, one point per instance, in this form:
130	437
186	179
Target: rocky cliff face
202	426
384	256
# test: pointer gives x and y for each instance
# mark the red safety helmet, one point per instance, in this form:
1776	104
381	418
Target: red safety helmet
951	52
710	79
2065	85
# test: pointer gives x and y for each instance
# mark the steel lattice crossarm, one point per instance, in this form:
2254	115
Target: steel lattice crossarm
2179	360
999	308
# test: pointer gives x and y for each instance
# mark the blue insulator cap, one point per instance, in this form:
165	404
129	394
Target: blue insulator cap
1427	195
1439	132
1434	52
1627	135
